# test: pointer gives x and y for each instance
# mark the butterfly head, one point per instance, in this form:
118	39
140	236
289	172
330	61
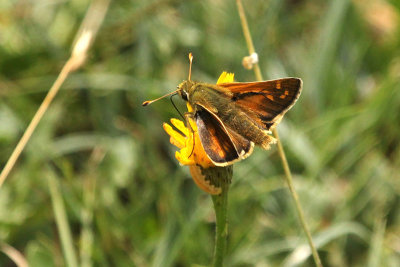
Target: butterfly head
184	89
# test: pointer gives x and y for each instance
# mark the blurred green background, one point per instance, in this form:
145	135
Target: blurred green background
127	200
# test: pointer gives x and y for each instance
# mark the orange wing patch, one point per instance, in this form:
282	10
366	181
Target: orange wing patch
278	84
284	95
222	145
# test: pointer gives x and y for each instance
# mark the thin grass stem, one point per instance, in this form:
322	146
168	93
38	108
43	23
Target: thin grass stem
16	256
62	221
85	37
35	121
89	202
288	174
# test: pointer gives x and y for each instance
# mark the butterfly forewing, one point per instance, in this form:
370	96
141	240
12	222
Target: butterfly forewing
222	145
214	138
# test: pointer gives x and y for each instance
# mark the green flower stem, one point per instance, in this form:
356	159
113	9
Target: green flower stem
221	231
288	174
220	177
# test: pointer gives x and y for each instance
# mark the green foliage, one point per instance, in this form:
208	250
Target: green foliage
128	202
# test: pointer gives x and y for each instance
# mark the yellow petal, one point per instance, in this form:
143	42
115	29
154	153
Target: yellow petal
180	126
176	138
176	143
225	77
183	159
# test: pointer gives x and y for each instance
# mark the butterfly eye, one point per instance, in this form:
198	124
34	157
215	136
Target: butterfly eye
184	96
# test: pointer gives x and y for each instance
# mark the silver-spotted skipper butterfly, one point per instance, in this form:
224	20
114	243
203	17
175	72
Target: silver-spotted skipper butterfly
232	117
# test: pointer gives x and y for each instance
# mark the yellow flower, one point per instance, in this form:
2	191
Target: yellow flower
191	151
226	77
188	140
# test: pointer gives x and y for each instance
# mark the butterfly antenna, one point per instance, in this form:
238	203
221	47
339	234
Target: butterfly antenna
190	65
148	102
175	106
